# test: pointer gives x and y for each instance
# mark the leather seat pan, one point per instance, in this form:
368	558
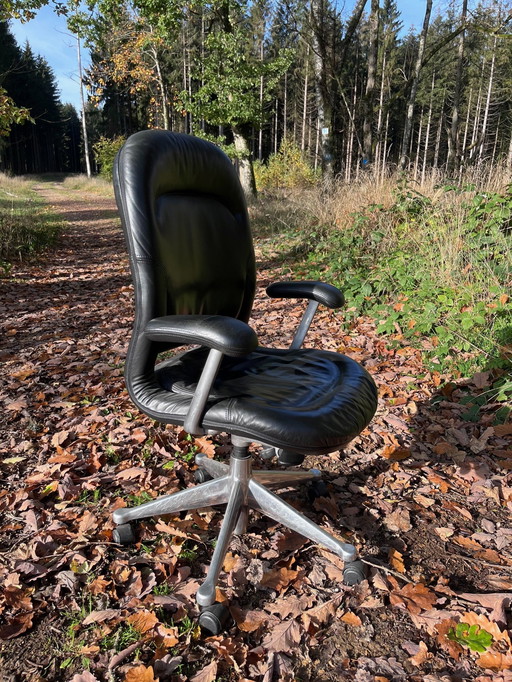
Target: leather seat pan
308	401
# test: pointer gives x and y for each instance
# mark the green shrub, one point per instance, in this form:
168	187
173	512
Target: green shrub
422	269
286	169
105	151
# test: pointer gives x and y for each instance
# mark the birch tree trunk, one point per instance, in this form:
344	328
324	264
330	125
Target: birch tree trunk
246	171
82	102
305	106
487	101
414	87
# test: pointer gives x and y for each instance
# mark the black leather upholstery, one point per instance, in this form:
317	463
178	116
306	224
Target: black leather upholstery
185	219
316	291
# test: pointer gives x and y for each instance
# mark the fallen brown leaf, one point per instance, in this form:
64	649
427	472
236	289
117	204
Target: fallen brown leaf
284	637
207	674
140	674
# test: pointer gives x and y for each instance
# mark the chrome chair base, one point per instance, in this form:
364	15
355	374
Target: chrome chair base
241	489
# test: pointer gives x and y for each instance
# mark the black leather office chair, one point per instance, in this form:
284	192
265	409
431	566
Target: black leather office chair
192	261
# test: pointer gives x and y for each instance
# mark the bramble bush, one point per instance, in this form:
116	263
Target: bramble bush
436	271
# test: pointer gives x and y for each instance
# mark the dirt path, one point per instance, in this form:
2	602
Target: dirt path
424	492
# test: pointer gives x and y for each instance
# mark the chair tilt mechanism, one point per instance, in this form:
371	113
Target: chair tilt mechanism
192	261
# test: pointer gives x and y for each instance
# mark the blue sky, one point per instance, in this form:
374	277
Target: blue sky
48	37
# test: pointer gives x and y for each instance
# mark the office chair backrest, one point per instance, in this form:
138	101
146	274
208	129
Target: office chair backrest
185	219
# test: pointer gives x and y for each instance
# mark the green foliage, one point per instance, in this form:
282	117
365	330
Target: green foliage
472	636
229	72
427	270
105	151
10	113
286	169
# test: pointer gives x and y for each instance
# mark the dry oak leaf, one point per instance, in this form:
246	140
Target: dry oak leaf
499	656
320	614
100	616
453	648
415	597
284	637
421	655
351	619
230	561
16	626
208	674
89	522
398	521
140	674
170	636
278	579
249	621
143	621
396	560
395	453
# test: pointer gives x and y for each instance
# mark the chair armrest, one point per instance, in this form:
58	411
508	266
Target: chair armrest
225	334
321	292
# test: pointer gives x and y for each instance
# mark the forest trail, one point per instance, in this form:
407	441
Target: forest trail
425	492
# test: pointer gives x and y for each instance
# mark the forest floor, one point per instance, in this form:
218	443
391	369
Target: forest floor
425	493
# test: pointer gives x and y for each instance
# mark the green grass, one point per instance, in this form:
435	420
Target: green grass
27	226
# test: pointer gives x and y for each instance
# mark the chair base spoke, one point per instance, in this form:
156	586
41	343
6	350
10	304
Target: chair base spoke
241	489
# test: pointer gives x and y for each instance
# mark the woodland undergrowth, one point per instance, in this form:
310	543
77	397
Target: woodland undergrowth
428	262
26	225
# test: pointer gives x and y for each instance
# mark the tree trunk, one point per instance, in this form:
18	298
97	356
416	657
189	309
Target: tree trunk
82	101
476	120
325	79
305	107
427	132
488	101
369	95
246	171
418	147
161	87
380	114
453	160
414	87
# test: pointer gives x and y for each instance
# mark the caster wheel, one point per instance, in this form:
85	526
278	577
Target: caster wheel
289	459
354	573
317	488
201	476
214	619
124	534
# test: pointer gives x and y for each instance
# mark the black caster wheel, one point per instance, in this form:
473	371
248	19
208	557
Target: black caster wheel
317	488
354	573
289	459
123	534
201	476
214	619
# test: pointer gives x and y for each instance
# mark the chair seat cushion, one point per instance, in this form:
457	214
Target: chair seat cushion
309	401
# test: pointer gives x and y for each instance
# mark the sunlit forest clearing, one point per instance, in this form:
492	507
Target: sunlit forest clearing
374	157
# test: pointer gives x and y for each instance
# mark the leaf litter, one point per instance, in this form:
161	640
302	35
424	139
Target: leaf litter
424	493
